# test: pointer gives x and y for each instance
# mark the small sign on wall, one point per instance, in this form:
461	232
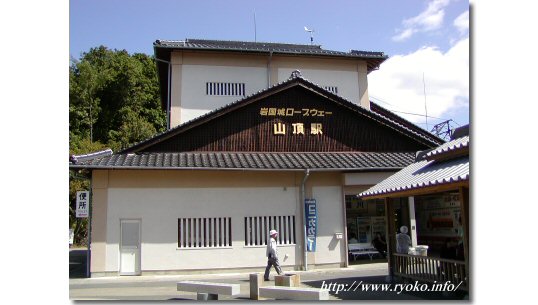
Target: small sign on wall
311	215
83	203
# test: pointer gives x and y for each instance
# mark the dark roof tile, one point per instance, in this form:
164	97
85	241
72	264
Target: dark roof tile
251	161
202	44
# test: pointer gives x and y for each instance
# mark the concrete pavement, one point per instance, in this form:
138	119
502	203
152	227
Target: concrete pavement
163	287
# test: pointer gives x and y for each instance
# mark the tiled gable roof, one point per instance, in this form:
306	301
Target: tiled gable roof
252	161
395	122
374	58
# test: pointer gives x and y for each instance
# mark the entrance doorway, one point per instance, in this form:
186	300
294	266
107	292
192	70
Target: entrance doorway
130	246
365	221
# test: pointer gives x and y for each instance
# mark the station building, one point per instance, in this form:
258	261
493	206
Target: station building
262	136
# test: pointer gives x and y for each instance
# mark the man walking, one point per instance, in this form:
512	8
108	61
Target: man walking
272	255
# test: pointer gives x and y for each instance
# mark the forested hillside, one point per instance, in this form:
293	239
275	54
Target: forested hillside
113	103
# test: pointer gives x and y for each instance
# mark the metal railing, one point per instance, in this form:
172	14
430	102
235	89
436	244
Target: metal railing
430	269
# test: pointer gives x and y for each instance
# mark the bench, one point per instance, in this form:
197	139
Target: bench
293	293
356	250
208	290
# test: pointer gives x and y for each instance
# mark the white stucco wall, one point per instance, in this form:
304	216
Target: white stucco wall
195	102
346	81
329	250
159	209
192	70
366	178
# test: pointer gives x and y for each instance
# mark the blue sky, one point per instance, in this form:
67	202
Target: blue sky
418	36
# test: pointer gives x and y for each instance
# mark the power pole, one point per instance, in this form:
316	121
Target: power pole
443	130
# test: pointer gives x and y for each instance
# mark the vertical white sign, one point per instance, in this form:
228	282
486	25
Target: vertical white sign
83	203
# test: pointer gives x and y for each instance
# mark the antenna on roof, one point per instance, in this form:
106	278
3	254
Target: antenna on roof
425	104
255	26
311	35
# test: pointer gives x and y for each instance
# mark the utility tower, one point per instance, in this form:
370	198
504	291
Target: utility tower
443	130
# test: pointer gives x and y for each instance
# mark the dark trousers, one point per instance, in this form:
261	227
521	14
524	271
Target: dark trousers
272	261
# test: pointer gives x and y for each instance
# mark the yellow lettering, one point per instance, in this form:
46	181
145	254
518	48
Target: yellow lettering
298	128
290	111
279	128
316	128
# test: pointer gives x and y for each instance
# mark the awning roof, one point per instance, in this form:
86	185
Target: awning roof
445	165
460	144
421	175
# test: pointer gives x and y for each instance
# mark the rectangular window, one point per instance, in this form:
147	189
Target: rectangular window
257	229
204	232
332	89
225	89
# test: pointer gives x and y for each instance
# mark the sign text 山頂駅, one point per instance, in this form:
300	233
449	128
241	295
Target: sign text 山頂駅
297	128
311	220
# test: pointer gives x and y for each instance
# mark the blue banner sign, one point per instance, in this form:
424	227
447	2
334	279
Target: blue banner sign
311	214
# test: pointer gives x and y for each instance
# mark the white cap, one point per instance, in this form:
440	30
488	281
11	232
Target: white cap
403	229
273	232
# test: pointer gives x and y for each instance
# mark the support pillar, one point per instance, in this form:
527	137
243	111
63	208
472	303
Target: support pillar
391	236
464	206
412	222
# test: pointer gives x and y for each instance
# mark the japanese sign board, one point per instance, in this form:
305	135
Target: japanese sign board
311	214
83	203
298	127
292	112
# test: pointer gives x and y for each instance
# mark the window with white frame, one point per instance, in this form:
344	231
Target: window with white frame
225	89
333	89
257	229
209	232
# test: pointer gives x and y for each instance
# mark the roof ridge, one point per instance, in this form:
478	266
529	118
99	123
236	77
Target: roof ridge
406	121
251	42
285	47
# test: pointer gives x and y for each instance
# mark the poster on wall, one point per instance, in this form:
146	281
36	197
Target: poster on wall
439	216
311	215
364	228
378	226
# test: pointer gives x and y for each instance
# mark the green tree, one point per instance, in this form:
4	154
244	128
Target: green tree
133	128
114	102
79	181
116	87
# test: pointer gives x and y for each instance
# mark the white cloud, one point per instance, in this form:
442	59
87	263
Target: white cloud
399	82
462	22
429	20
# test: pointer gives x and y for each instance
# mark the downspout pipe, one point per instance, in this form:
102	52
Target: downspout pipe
168	91
303	196
269	69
